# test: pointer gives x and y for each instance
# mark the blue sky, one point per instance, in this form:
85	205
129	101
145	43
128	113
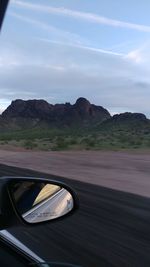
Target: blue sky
61	50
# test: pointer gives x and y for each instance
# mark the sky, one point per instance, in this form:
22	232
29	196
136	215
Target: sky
59	50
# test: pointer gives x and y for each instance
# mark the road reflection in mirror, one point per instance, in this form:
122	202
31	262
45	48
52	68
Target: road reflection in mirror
38	201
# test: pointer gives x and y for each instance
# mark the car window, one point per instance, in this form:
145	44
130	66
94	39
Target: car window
8	257
74	107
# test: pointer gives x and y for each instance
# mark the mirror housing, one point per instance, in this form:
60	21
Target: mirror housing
33	201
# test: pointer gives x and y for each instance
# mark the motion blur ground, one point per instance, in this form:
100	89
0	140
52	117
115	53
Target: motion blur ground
110	229
126	171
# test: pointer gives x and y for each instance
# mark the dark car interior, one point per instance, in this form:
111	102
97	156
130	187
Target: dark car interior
3	7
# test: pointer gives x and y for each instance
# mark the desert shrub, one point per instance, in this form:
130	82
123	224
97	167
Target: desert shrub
29	144
61	143
88	142
73	141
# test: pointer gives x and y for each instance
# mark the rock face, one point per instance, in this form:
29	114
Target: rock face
128	116
39	113
27	109
86	110
128	120
82	112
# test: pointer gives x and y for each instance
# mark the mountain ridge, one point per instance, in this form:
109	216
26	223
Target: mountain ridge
27	114
82	112
37	124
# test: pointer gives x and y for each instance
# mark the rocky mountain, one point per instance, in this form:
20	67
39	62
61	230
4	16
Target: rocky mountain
128	116
82	125
29	113
127	121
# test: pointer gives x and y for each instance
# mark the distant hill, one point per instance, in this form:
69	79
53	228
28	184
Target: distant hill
36	112
126	121
40	125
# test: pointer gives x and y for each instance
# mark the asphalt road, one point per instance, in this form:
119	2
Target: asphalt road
128	171
111	228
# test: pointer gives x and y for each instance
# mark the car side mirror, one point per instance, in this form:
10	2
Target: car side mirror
36	200
41	201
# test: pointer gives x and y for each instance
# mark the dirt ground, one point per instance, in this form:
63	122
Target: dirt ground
126	171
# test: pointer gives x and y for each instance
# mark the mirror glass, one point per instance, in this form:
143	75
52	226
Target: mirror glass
39	201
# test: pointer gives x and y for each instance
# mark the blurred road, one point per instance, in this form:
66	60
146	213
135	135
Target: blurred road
51	208
128	171
111	228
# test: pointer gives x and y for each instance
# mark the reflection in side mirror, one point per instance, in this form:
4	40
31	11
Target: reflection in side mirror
41	201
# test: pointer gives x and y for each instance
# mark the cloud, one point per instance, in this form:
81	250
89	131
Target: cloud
140	55
135	56
92	49
113	91
36	23
75	40
90	17
66	35
60	75
61	70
